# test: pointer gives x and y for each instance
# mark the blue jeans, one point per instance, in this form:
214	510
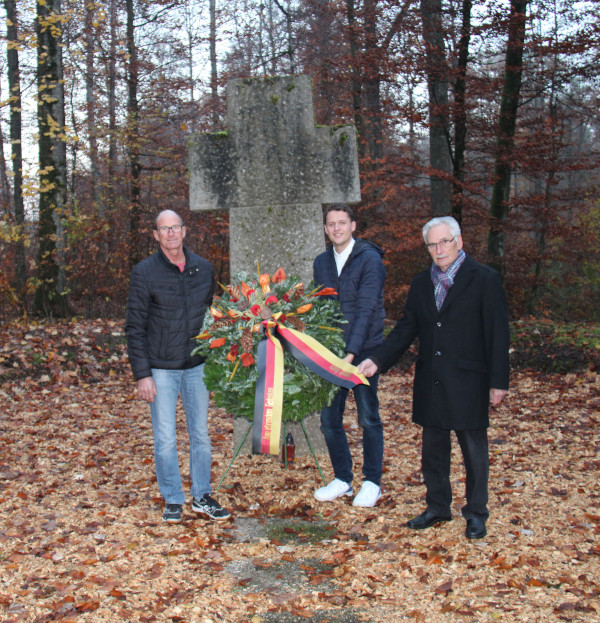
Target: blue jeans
332	427
194	396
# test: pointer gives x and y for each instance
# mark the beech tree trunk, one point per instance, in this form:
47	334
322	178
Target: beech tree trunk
111	95
460	113
371	100
5	194
507	123
50	295
440	159
355	72
213	65
90	97
133	142
14	86
289	28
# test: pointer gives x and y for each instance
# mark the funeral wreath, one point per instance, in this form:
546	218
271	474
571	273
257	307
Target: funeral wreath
236	322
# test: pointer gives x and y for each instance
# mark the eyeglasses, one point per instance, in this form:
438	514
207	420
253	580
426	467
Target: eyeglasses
163	229
442	244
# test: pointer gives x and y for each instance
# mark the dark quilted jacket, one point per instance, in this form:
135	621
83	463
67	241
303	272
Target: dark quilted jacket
165	311
360	293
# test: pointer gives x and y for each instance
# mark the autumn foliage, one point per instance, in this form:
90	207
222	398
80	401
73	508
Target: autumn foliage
429	85
82	537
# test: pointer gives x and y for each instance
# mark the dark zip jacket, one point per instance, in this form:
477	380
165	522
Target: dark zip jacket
165	312
360	294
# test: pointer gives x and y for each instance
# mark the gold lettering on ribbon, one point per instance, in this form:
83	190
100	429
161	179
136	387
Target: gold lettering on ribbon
339	372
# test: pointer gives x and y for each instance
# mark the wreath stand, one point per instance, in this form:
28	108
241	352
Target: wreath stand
285	461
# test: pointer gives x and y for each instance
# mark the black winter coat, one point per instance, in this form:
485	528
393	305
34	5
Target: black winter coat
165	312
360	294
463	348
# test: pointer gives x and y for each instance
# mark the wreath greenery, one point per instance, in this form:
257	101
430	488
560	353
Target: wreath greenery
233	326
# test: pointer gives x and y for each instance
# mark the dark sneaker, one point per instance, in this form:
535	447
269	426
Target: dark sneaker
172	513
210	508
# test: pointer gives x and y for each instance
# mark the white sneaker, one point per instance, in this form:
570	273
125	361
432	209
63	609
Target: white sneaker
368	495
335	489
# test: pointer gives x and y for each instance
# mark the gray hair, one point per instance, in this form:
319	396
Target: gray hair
450	221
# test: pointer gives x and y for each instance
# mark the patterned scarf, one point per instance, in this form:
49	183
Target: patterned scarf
444	280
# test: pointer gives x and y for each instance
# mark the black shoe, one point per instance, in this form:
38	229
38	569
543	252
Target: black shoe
172	513
475	528
426	520
208	507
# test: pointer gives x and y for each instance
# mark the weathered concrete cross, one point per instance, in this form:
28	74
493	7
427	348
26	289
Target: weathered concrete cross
273	169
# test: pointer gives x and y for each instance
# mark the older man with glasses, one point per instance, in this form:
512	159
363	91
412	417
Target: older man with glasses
169	293
457	309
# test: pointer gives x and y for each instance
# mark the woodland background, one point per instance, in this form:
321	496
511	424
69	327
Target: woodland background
485	110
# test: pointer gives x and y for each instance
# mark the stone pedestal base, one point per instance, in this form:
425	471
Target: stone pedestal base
311	424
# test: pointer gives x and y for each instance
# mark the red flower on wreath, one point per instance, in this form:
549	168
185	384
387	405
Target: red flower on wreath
247	359
279	275
218	342
233	353
255	309
271	299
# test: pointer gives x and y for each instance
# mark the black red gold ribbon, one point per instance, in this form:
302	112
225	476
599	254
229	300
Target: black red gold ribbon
268	397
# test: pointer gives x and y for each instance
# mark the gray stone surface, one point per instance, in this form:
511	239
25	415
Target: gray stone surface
311	424
273	169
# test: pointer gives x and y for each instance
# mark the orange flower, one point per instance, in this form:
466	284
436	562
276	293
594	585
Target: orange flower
218	342
265	281
256	327
215	312
245	288
247	359
232	313
279	275
233	353
304	308
325	292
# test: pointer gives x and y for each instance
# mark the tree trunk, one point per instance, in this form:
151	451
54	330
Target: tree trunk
440	159
133	142
14	86
371	101
505	134
112	115
460	113
289	29
6	211
214	95
90	97
355	73
50	296
540	240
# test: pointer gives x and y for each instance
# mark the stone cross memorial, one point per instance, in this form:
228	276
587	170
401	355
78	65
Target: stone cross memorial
273	169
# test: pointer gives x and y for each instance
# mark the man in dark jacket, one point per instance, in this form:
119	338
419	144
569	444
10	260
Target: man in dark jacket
168	296
354	268
457	309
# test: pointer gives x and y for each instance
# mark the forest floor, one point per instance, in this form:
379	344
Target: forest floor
81	536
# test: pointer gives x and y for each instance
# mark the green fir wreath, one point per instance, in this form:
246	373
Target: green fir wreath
233	327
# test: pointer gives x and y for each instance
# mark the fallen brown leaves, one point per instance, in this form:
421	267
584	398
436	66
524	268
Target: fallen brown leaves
81	537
